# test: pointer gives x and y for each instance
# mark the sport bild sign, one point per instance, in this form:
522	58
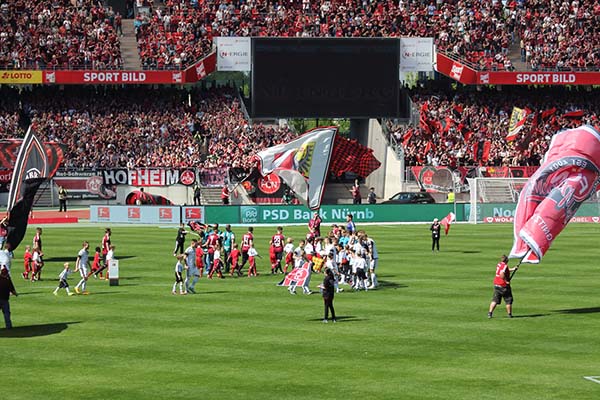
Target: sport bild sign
148	177
416	54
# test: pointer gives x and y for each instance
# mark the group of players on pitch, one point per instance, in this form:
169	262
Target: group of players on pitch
347	252
102	258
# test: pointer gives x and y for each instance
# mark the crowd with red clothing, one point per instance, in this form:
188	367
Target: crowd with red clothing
140	127
59	34
469	127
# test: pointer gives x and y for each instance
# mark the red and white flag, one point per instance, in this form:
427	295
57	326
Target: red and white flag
447	221
517	121
569	175
302	164
297	276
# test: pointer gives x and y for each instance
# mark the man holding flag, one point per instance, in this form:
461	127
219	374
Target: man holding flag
502	288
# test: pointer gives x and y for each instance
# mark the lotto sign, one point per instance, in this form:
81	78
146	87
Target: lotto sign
26	77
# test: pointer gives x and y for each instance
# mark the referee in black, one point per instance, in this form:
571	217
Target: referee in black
328	292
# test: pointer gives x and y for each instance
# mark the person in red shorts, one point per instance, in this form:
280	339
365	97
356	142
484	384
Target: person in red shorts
199	258
277	243
288	250
252	254
97	265
247	242
234	258
27	260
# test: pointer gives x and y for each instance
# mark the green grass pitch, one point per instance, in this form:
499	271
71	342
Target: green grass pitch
423	334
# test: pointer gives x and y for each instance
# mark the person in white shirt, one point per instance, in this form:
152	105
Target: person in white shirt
288	250
62	278
109	256
331	264
179	267
81	264
373	259
358	270
191	268
5	259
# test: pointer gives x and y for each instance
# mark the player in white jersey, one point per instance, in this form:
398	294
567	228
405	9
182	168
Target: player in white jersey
82	264
62	277
373	258
192	270
331	264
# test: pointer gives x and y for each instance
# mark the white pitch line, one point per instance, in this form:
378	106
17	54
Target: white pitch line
595	379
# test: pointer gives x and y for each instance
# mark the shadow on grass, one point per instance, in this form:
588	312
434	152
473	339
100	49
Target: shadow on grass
530	315
585	310
72	259
35	330
390	285
343	318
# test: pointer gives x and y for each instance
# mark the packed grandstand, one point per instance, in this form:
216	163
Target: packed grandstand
207	128
69	34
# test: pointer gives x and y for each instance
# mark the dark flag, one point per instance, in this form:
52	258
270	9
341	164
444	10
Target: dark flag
351	156
30	172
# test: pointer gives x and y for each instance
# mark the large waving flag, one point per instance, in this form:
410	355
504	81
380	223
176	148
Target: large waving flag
302	164
447	221
30	171
568	176
517	121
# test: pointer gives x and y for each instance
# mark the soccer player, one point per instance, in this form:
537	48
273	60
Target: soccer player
228	239
27	261
350	225
358	264
277	243
212	242
179	275
288	249
234	258
373	259
247	242
328	294
105	244
199	257
62	278
6	288
81	264
502	288
314	225
192	270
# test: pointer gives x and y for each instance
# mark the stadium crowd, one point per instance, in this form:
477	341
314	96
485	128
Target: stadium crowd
58	34
470	127
141	127
175	33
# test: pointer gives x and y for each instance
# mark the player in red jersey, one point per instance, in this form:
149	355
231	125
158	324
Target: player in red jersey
502	288
247	242
277	242
27	260
211	244
234	257
105	243
199	258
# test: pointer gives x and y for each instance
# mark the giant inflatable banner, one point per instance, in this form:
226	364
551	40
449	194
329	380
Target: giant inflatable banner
568	176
